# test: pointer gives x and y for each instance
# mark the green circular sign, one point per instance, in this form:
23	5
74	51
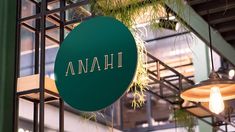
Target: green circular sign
95	64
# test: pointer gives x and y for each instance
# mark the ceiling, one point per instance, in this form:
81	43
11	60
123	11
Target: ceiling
221	18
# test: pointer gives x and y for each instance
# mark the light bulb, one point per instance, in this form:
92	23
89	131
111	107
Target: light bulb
216	103
231	73
21	130
177	26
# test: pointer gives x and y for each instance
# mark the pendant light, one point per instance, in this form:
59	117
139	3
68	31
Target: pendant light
213	90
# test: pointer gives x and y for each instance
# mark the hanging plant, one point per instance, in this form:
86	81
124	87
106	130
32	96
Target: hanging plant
89	116
133	12
140	82
186	120
126	11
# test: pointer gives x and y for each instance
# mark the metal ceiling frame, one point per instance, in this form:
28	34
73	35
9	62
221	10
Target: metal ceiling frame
155	76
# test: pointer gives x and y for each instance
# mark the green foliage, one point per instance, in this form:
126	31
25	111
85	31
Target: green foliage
131	13
127	11
98	116
184	119
89	116
140	82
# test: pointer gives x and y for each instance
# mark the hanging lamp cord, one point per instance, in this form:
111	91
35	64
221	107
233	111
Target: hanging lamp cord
210	41
212	62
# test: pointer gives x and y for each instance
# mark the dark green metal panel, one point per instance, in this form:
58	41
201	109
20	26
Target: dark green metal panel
7	63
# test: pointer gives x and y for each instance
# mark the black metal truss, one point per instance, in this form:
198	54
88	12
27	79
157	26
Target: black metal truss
176	90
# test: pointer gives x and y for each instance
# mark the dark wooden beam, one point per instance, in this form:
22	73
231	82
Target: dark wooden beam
221	17
195	2
225	27
230	33
232	42
214	7
229	36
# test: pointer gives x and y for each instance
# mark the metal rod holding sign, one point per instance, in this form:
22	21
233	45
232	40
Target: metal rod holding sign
61	106
42	65
17	65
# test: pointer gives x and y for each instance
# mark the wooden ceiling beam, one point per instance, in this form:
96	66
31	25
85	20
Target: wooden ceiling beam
195	2
221	17
229	36
232	42
228	33
225	26
214	7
